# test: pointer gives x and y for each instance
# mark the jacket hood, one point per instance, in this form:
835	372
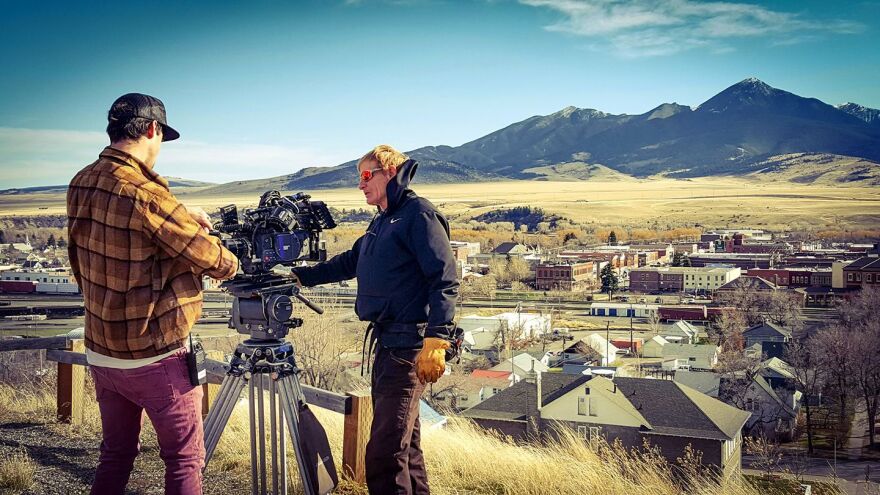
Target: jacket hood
398	188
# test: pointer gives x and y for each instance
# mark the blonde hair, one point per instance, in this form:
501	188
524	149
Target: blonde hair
386	156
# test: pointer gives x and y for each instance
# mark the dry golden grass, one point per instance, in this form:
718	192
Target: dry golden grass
712	202
16	472
461	458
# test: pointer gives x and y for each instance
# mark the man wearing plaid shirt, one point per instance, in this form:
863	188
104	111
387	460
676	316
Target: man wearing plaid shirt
138	255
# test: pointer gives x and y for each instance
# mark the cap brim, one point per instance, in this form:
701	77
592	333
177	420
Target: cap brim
168	133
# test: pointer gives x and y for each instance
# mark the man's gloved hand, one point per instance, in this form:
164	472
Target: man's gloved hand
431	360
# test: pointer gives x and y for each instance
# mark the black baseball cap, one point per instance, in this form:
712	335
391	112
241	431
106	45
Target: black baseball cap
137	105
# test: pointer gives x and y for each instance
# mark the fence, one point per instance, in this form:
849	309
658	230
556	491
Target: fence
69	352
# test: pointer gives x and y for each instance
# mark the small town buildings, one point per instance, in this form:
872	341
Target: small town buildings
632	411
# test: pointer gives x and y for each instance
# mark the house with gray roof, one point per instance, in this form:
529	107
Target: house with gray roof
770	336
666	414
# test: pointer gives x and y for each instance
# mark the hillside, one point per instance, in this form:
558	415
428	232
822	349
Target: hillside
818	168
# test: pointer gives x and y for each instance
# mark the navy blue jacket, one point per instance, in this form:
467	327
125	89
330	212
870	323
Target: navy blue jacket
403	263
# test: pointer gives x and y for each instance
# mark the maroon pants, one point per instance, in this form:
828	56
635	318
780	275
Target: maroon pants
394	461
162	389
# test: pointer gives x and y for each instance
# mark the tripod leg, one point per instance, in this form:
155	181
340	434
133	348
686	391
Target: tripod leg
253	432
273	436
290	400
261	424
283	446
219	415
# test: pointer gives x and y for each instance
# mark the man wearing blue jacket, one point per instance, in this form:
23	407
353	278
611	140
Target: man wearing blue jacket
407	289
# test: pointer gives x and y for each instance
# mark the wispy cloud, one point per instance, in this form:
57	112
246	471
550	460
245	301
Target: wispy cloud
49	157
644	28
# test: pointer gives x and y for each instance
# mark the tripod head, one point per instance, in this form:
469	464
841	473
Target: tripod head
262	307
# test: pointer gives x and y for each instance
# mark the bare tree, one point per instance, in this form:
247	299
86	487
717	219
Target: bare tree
808	376
320	345
783	307
833	348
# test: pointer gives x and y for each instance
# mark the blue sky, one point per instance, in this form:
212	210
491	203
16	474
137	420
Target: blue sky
264	88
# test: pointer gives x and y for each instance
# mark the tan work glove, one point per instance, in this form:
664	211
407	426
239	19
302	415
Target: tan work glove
431	360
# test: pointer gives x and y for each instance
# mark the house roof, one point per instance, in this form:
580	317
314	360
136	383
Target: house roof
680	328
768	328
657	340
668	408
520	401
871	262
489	374
706	382
750	283
777	368
510	247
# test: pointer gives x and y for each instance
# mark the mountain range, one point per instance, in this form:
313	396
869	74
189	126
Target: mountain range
740	131
748	129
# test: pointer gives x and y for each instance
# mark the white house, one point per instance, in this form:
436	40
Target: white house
521	366
521	325
606	350
689	356
680	332
654	347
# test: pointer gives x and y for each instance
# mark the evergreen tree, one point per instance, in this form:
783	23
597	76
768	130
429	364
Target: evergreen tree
62	243
609	280
685	261
51	241
676	259
2	237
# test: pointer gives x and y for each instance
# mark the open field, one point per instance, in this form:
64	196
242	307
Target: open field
711	202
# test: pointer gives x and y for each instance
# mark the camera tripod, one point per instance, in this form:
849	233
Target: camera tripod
267	364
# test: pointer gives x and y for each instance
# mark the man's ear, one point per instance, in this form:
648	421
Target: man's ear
153	130
392	171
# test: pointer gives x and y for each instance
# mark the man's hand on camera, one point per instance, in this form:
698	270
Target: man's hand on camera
200	216
431	360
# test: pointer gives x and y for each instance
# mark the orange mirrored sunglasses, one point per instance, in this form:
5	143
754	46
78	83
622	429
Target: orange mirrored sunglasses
366	175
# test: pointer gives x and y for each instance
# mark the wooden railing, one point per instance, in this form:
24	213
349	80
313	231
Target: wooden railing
69	352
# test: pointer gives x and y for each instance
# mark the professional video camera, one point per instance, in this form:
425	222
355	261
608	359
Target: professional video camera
275	232
281	230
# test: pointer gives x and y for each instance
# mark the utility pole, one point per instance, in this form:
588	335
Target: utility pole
607	342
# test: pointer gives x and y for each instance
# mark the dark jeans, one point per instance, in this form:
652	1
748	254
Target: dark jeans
394	461
174	406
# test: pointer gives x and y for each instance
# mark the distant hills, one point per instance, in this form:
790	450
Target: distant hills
748	129
174	182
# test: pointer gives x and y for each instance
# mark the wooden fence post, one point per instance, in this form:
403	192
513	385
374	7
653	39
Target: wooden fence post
210	390
355	436
71	387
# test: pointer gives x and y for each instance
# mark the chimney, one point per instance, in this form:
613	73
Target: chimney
538	386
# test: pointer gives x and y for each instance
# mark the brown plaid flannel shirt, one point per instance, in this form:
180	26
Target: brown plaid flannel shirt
138	257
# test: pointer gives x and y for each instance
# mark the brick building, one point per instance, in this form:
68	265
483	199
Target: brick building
565	275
